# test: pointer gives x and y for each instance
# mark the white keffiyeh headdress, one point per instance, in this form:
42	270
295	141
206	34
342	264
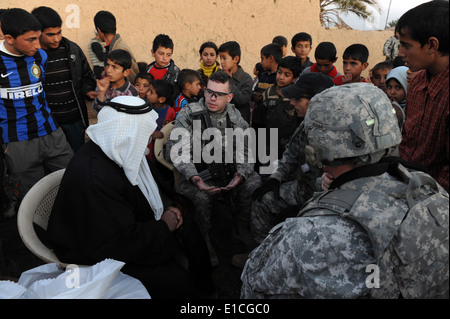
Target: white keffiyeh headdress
124	138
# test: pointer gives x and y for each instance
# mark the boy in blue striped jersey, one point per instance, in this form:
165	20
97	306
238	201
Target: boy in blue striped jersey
32	141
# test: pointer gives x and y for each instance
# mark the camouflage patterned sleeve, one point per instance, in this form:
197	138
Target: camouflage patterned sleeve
289	163
298	259
246	168
179	144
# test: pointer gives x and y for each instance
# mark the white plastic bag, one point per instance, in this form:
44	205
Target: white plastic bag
100	281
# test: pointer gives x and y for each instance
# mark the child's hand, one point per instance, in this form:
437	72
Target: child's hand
257	96
347	78
92	94
158	135
103	85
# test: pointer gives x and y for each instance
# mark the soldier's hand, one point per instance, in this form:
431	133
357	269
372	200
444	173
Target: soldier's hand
327	179
210	190
271	185
234	182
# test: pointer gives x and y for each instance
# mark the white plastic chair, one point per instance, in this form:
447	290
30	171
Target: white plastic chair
36	208
158	149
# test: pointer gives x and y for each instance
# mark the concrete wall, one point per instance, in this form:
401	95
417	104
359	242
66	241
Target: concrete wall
190	23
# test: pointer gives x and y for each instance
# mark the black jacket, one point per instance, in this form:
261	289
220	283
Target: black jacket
83	78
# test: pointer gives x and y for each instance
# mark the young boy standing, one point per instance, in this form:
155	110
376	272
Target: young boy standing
325	56
355	62
301	47
278	110
424	43
282	42
35	144
160	96
106	26
230	56
115	83
189	86
69	81
163	68
271	55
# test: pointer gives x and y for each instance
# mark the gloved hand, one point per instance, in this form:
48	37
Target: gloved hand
271	185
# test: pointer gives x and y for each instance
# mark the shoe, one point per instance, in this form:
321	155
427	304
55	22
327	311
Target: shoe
212	253
9	211
239	260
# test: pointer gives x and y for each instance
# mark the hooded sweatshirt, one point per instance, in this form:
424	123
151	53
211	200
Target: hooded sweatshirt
399	73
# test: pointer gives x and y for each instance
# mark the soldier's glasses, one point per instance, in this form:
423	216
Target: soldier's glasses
217	95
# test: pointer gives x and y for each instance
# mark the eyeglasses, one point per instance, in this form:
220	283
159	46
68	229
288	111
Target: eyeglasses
217	95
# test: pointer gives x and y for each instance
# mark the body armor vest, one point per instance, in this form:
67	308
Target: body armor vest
410	241
222	172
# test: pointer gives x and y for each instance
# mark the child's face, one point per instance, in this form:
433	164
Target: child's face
379	78
302	49
50	38
324	66
143	86
114	72
415	56
285	77
227	63
354	67
209	57
395	91
152	96
266	62
193	88
162	56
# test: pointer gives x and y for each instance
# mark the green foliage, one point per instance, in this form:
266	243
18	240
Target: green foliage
330	10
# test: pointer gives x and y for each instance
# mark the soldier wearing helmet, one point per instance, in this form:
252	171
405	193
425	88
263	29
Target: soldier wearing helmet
294	181
379	231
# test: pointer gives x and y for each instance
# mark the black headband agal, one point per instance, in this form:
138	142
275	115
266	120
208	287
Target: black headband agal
129	109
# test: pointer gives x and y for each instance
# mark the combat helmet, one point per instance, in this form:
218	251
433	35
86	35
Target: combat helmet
352	121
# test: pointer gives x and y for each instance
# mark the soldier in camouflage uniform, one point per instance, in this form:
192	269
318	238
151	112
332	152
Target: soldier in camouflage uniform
204	182
294	181
380	231
391	47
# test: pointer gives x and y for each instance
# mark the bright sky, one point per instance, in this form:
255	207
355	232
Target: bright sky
398	7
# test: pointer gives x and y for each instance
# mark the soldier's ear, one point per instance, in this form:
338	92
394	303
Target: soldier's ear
229	97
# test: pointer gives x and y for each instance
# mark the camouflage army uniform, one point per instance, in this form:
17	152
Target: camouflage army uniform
298	183
380	231
390	48
325	253
238	199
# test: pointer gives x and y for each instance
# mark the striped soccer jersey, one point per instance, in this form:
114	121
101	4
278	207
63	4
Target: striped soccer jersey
24	113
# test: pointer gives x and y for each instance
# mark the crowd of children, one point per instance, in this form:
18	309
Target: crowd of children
258	98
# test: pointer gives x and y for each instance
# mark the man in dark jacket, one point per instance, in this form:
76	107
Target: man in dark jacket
69	80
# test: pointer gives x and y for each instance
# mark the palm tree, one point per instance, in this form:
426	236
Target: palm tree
330	10
392	23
